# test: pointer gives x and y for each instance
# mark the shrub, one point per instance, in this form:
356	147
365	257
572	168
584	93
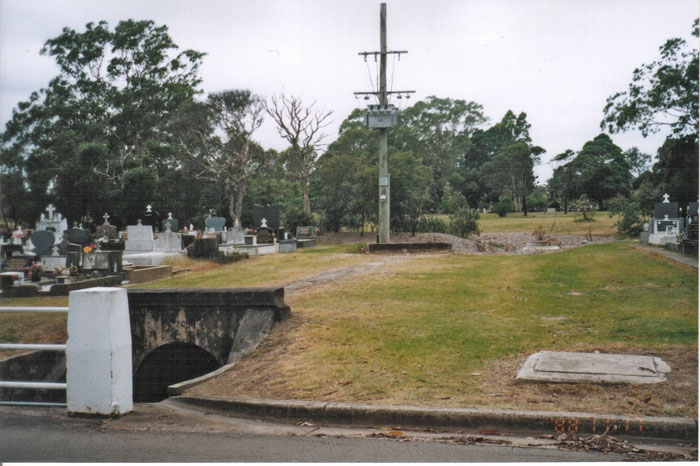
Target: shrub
503	206
297	218
464	222
358	248
630	220
585	207
432	225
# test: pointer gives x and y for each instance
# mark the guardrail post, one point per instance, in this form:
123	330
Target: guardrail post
98	352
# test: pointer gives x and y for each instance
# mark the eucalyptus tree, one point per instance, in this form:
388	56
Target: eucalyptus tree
100	123
663	93
217	136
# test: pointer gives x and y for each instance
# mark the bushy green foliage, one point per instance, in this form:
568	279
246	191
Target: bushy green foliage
503	206
630	220
464	222
297	218
432	225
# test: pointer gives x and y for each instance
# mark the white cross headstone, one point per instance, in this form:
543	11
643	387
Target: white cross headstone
263	223
106	217
148	208
138	222
666	196
75	224
167	227
50	209
170	215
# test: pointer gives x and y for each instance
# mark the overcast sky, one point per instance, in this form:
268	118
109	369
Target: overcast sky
556	60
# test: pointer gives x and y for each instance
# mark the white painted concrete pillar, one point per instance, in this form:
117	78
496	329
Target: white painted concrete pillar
98	352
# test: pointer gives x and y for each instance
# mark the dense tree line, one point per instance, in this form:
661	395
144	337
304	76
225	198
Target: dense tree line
124	124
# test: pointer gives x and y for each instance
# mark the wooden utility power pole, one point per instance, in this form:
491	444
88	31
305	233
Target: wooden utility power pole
383	117
384	200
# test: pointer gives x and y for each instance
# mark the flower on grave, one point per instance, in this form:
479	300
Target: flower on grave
35	271
251	232
89	248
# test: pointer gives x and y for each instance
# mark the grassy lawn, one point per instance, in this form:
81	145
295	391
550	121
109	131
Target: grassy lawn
556	223
451	330
437	329
269	270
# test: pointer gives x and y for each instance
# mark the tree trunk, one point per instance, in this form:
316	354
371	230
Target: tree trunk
524	206
566	205
235	203
305	192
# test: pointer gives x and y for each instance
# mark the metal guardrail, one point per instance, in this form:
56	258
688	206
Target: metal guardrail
32	346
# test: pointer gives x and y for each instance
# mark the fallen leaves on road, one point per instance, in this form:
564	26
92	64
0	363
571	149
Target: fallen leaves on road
607	444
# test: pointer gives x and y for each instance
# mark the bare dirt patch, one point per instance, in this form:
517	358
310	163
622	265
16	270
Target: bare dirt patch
675	397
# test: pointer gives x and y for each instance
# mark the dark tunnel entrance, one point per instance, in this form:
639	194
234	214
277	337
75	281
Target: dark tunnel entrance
167	365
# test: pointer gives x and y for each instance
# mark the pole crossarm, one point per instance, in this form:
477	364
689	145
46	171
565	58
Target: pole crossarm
387	92
398	52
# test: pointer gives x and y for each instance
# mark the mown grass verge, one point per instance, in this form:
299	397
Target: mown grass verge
434	330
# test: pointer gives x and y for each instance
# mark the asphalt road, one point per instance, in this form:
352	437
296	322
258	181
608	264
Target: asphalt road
47	435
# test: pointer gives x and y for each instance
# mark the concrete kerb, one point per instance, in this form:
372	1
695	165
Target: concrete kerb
510	421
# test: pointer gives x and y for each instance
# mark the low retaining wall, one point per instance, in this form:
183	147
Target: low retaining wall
409	247
140	274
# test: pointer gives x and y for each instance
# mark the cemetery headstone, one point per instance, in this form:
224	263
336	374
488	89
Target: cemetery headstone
173	222
215	224
306	236
139	238
151	217
18	236
235	234
106	229
53	222
306	232
168	241
667	224
271	213
104	261
43	242
77	236
265	234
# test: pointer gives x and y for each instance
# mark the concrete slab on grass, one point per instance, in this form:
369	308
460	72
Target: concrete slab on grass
562	367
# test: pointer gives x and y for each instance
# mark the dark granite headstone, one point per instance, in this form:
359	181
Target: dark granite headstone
265	235
203	248
215	223
77	236
174	224
106	261
112	246
692	209
270	213
666	208
43	242
109	230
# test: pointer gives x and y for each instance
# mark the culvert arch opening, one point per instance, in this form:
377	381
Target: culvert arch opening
168	365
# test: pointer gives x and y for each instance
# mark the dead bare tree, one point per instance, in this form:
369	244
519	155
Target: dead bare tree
217	136
301	126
